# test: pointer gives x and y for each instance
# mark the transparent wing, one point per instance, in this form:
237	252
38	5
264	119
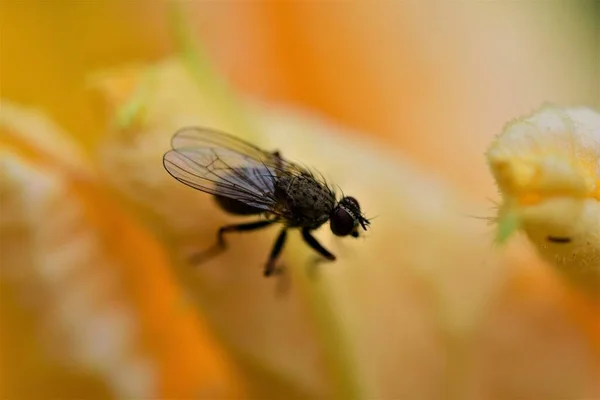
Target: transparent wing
220	164
196	137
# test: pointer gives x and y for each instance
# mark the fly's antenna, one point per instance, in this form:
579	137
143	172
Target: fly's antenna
369	219
364	222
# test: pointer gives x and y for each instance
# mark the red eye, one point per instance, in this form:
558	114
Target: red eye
342	222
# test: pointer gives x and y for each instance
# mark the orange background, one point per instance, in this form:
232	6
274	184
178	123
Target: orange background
416	75
433	81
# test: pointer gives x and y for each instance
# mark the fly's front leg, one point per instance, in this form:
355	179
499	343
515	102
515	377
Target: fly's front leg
221	245
312	242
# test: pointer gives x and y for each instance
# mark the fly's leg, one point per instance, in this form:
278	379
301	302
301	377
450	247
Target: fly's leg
251	226
221	245
270	267
312	242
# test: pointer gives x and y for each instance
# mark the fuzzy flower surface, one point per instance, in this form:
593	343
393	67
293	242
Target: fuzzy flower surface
547	166
98	298
409	271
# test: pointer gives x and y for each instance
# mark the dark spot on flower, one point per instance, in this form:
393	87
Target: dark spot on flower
559	239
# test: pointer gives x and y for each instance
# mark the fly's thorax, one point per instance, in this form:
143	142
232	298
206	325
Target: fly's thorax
305	202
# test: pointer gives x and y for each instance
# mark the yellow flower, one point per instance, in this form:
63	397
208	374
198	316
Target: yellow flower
424	274
89	308
423	306
547	166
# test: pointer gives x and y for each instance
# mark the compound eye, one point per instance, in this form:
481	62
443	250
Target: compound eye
342	222
352	201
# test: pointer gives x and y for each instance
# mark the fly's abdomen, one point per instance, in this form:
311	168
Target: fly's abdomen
232	191
236	207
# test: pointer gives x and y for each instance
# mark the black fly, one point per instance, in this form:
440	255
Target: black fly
247	180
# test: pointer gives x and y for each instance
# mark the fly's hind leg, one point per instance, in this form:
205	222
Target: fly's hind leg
251	226
221	245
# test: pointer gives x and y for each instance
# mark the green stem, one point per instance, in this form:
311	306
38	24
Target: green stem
209	82
508	223
126	114
334	336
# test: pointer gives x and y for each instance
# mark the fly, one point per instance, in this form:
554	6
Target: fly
248	181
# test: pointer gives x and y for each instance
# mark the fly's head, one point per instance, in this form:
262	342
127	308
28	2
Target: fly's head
346	218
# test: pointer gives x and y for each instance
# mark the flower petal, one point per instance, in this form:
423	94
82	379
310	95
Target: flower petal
97	303
547	166
395	314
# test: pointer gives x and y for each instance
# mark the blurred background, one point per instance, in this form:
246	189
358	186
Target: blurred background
431	81
413	76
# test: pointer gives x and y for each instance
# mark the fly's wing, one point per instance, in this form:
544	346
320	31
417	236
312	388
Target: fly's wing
220	164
